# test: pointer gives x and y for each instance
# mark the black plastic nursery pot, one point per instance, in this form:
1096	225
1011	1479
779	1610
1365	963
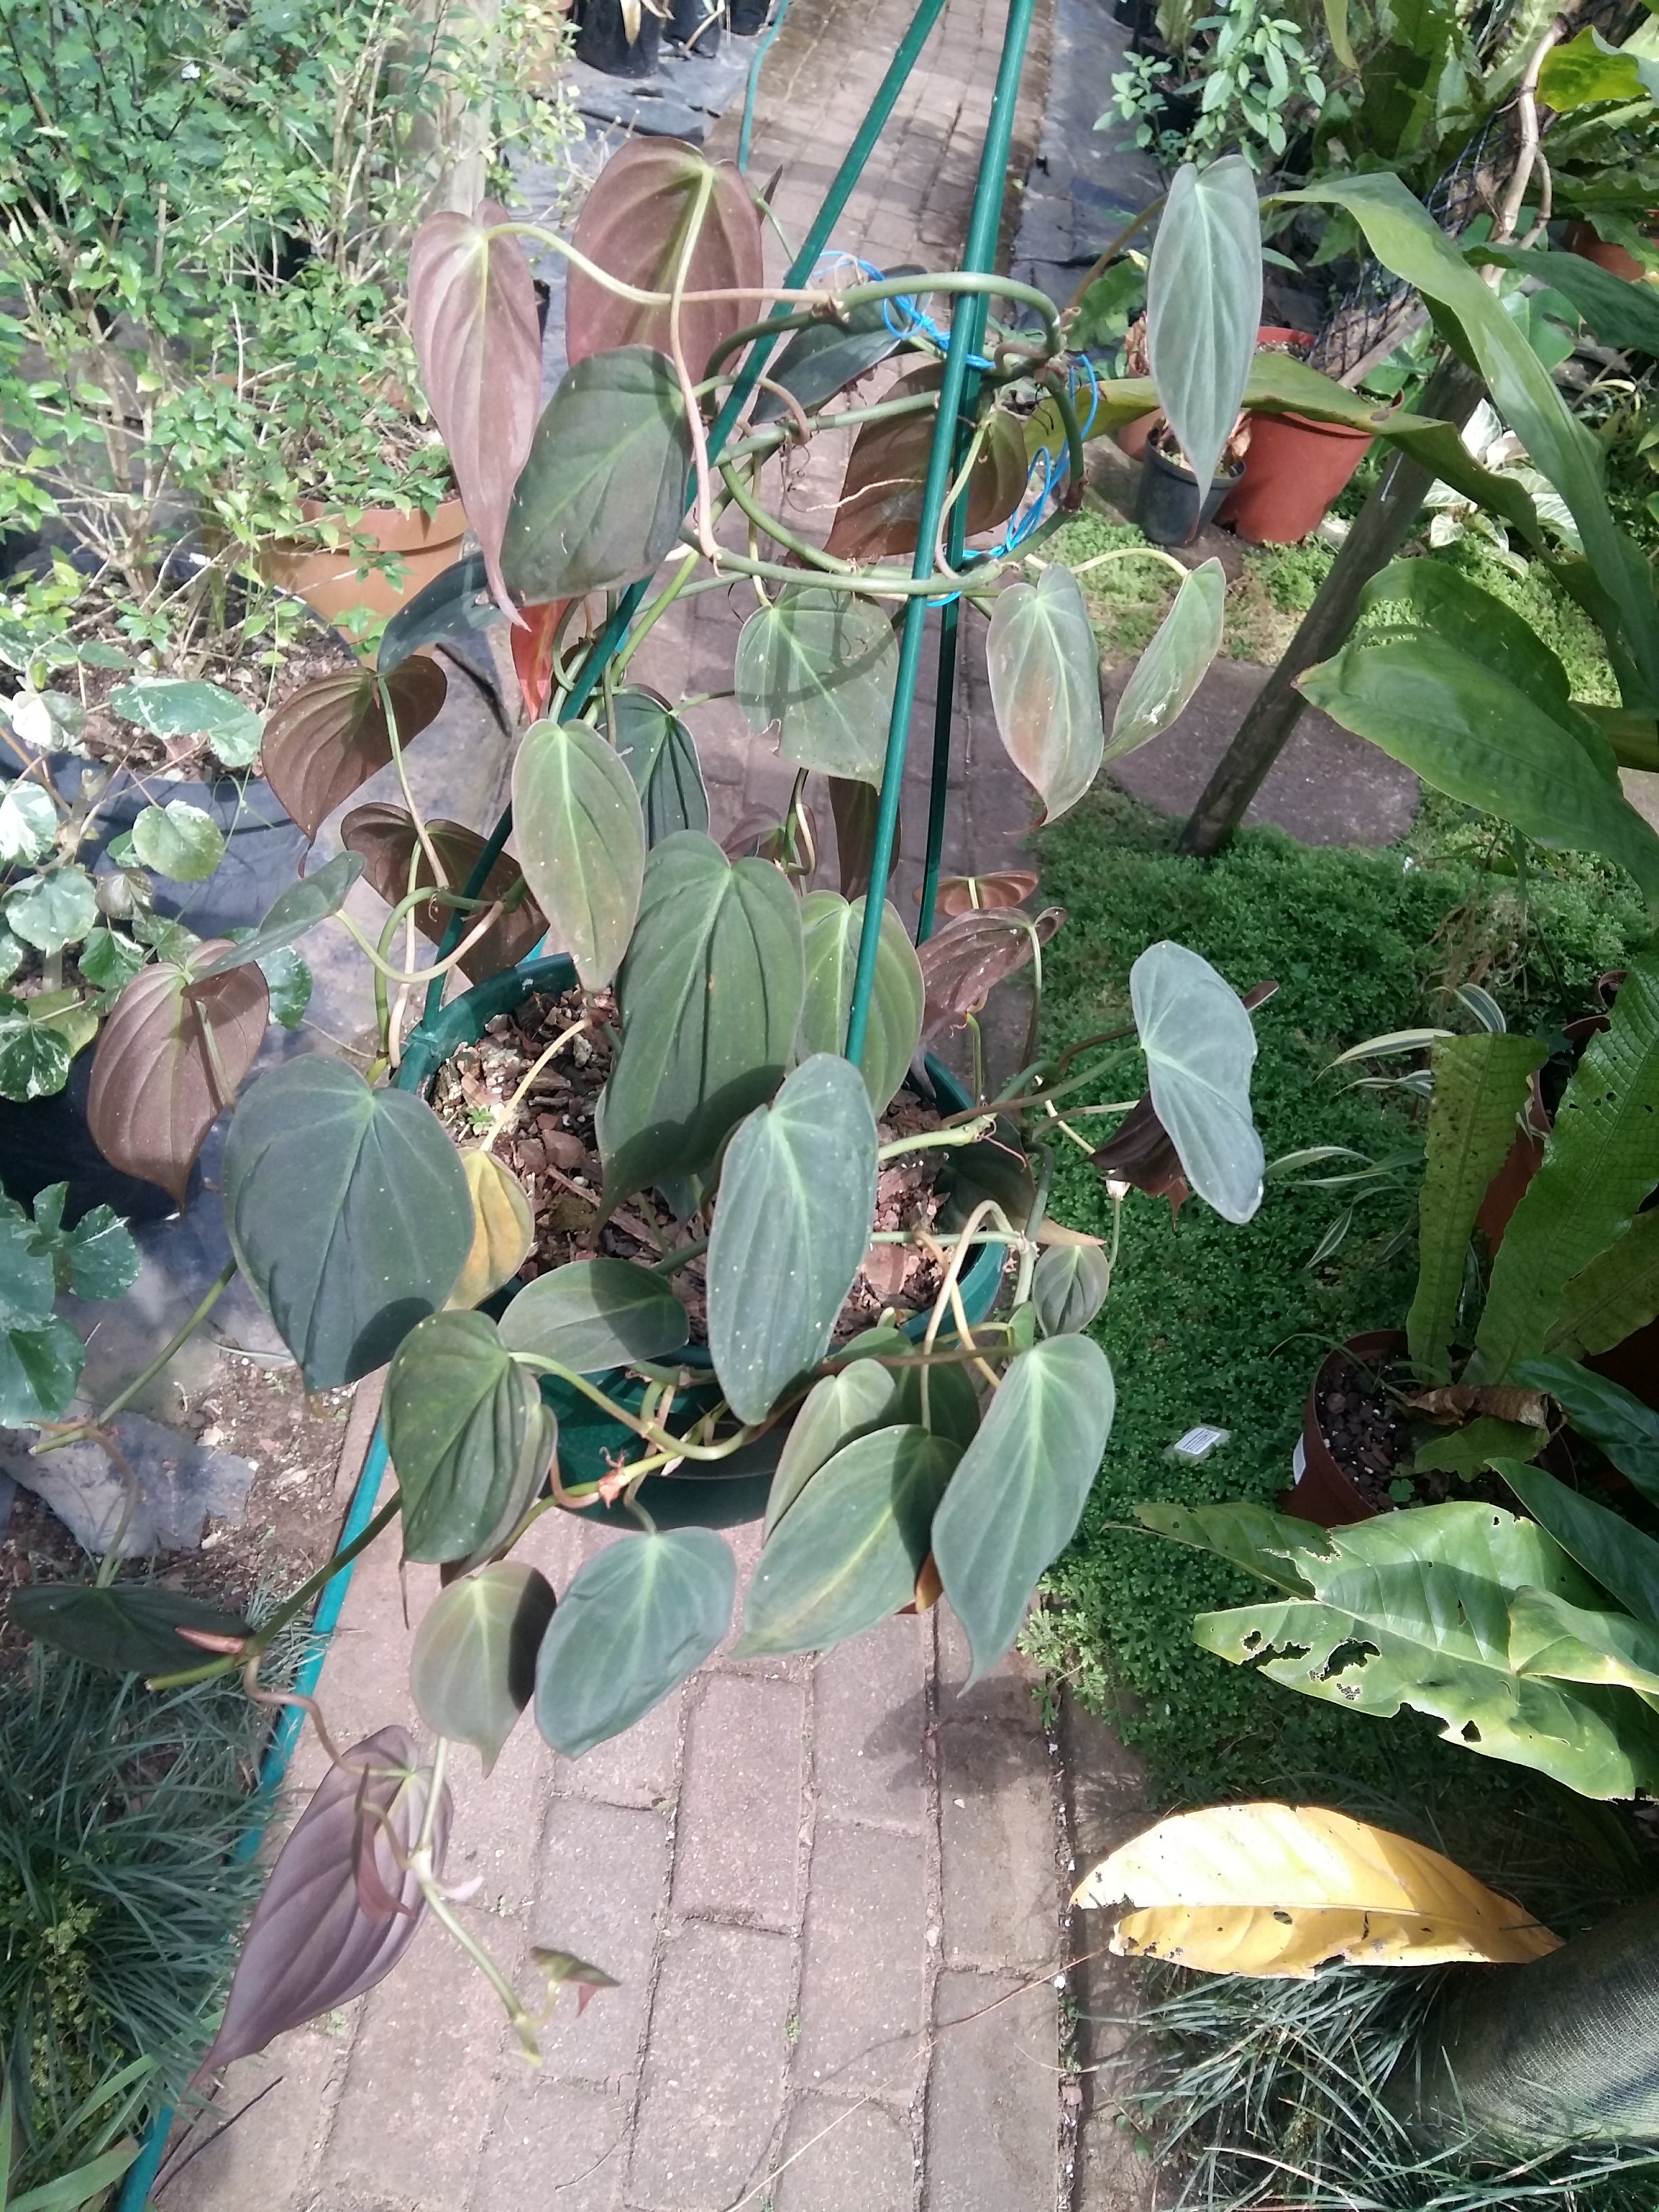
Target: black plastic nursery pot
745	17
729	1491
602	40
695	25
1168	510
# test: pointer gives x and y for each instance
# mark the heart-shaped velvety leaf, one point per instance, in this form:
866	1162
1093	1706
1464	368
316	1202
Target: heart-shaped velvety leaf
711	998
1044	669
503	1230
820	664
473	317
332	735
831	929
656	749
1203	305
295	910
383	839
468	1435
130	1629
797	1196
963	963
634	224
880	509
1200	1045
311	1944
951	1406
600	500
1139	1151
1018	1492
1068	1287
453	605
594	1315
983	894
848	1551
1175	664
631	1626
581	833
473	1668
533	637
349	1211
169	1061
840	1406
824	357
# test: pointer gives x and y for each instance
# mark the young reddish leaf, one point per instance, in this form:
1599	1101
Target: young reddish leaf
532	653
169	1061
854	806
473	317
633	224
332	735
383	837
880	509
1139	1151
311	1945
963	963
558	1968
983	894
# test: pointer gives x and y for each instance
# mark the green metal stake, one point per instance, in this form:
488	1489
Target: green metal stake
977	258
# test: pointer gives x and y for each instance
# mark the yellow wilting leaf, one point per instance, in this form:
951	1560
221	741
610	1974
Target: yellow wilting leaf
503	1230
1278	1891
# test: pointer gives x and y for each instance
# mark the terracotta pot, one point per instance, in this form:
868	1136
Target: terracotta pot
1583	241
1294	468
330	580
1132	437
1324	1492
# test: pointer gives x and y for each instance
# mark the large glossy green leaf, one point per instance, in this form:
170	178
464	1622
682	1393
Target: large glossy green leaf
1618	1554
1614	1419
348	1210
473	317
1619	313
820	664
1480	739
831	928
1068	1287
657	751
1612	1298
1203	305
837	1408
1015	1500
631	1626
132	1628
1412	1609
580	834
599	500
473	1668
468	1435
1174	665
711	998
1481	1083
847	1552
792	1222
1445	603
1044	669
1598	1167
1572	1643
332	735
1587	70
1200	1045
592	1315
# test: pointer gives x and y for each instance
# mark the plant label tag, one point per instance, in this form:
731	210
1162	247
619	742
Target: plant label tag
1198	1444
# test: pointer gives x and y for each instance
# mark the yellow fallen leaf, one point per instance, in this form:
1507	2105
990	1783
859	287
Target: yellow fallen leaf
1278	1891
503	1230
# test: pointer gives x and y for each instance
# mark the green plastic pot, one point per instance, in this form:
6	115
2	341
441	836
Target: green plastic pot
729	1491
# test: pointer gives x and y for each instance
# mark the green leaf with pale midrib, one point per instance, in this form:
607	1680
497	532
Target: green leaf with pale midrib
832	929
820	664
468	1434
592	1315
1203	305
580	834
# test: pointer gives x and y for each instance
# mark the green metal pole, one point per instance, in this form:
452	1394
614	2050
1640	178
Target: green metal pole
978	257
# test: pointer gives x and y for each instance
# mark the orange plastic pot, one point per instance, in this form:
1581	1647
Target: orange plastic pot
1583	241
1131	437
336	581
1293	469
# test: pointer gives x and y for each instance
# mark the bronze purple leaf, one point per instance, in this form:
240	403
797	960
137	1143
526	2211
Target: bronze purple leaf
332	735
384	838
963	963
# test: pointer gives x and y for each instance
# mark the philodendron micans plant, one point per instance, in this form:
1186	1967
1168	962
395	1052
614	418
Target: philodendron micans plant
758	1029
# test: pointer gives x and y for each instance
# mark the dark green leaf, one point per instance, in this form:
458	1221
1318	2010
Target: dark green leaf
1607	1547
349	1212
40	1368
1044	669
831	929
950	1405
131	1629
1203	305
107	960
592	1315
468	1435
1620	313
473	1668
1614	1419
837	1409
820	666
580	834
820	359
1015	1501
454	603
630	1629
656	749
295	910
1200	1045
1174	665
1068	1287
96	1259
847	1552
332	735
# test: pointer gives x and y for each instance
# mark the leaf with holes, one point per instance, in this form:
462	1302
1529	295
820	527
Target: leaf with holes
848	1551
314	1943
820	664
797	1194
473	1668
658	752
348	1210
836	1410
383	839
879	512
332	735
831	929
169	1059
635	224
1200	1045
592	1315
962	964
1174	665
295	910
711	998
1203	305
580	831
1044	669
468	1435
503	1230
132	1628
473	317
631	1626
1068	1287
600	500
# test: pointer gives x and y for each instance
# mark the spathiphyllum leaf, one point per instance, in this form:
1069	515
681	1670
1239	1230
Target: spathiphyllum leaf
1201	1046
819	665
1203	305
1174	665
473	1667
1044	669
385	839
1016	1499
832	928
792	1223
332	735
592	1315
581	833
656	749
473	317
468	1434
